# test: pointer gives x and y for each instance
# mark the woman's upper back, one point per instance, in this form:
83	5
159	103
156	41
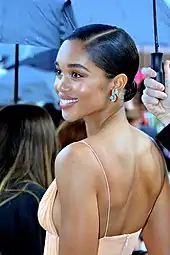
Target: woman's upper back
135	172
106	191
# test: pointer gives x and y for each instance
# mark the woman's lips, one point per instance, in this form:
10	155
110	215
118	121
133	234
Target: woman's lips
66	103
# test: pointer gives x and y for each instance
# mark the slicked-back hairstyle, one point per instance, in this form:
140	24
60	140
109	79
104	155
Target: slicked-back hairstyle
112	50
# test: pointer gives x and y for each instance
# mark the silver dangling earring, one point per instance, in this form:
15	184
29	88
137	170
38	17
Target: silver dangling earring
114	95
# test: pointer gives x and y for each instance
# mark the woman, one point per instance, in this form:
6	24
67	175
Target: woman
27	154
113	185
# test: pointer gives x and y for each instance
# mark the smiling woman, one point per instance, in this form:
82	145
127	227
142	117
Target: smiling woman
79	78
117	171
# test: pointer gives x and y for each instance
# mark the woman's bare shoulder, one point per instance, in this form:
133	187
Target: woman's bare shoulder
145	142
150	158
76	159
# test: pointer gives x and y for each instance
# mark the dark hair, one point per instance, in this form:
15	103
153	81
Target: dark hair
112	50
27	146
55	114
140	89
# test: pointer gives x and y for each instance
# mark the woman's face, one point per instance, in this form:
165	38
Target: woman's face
82	86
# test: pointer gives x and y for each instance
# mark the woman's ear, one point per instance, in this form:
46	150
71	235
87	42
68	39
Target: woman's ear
119	82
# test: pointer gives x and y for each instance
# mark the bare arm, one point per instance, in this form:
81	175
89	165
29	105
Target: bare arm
156	234
79	226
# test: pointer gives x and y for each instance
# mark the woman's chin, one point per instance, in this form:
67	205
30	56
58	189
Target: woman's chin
69	117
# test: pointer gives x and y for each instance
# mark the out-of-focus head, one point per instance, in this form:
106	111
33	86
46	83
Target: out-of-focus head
70	132
27	145
135	108
92	62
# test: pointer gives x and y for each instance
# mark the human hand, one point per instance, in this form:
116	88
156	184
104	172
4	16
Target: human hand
156	96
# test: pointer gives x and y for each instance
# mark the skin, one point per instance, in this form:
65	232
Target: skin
134	166
156	95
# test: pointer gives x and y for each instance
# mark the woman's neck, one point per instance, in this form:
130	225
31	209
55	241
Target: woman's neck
98	121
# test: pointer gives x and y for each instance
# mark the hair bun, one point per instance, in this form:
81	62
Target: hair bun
130	91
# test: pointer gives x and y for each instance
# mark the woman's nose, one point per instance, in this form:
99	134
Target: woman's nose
61	85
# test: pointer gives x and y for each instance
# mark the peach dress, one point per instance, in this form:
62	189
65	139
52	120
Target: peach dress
113	245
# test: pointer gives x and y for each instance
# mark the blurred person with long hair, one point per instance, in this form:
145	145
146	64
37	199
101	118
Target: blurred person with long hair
27	154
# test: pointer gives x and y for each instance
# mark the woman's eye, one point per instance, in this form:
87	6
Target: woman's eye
76	75
58	72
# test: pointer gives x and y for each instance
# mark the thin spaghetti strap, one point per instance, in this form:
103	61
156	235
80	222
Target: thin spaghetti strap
107	184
